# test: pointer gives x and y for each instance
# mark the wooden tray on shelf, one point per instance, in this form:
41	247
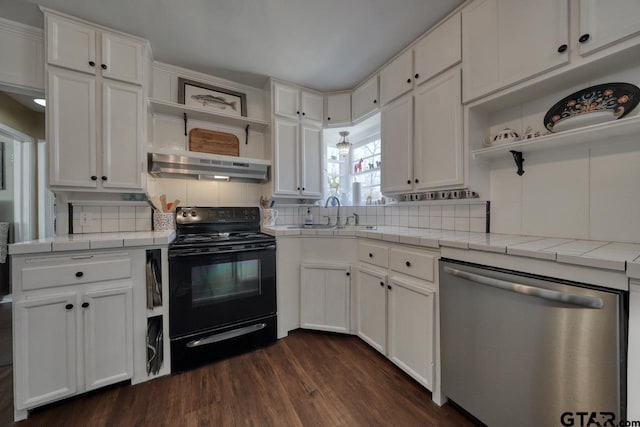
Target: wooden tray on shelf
214	142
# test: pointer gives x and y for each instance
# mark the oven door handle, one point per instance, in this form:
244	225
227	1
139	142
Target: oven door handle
226	335
225	251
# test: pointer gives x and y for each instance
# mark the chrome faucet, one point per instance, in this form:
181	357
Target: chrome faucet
326	205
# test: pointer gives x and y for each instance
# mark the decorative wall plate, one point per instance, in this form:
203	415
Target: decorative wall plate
610	100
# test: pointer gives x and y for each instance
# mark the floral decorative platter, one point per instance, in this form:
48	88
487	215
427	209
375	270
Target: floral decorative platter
617	99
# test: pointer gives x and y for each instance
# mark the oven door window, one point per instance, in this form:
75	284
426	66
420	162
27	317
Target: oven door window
225	281
213	290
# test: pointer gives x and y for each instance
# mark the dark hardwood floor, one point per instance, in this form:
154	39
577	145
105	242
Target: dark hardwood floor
306	379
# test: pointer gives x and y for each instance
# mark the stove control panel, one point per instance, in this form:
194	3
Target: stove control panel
216	215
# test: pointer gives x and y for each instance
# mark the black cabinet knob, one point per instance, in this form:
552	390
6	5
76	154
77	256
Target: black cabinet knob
298	188
94	178
85	304
303	189
328	118
375	101
417	76
584	38
68	306
370	255
92	64
79	274
304	114
389	287
382	284
348	273
562	48
104	178
297	112
408	181
408	264
417	180
103	66
408	80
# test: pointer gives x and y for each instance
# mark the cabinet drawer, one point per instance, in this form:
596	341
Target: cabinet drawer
412	262
69	271
373	254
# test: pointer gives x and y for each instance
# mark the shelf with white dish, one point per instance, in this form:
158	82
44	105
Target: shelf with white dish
181	110
600	132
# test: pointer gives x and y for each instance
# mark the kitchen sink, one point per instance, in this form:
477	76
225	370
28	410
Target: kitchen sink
313	227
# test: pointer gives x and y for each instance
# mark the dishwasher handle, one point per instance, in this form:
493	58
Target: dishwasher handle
534	291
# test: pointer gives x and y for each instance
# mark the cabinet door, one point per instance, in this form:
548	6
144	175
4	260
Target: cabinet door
312	107
411	333
479	48
338	109
311	161
71	130
365	99
71	45
372	309
286	159
396	130
604	23
439	50
46	349
285	101
325	298
25	47
122	135
396	78
108	343
438	144
526	48
121	58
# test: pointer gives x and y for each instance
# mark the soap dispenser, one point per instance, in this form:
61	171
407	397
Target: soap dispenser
309	218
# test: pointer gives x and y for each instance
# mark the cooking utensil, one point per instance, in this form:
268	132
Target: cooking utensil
214	142
176	203
163	201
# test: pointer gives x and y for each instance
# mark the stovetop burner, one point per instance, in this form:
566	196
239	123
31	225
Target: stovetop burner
220	237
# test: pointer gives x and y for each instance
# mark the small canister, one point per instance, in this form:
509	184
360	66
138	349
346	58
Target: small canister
163	221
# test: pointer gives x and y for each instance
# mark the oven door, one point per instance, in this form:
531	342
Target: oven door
214	289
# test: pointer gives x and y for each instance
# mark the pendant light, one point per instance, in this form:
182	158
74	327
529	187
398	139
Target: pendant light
343	146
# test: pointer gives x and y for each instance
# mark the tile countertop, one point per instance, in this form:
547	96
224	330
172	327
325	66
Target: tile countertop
78	242
589	253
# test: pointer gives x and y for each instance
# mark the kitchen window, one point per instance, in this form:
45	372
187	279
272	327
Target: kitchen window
361	165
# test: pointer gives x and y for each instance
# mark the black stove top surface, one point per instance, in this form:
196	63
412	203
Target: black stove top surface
215	238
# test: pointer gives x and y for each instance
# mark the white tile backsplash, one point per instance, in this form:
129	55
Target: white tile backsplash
110	219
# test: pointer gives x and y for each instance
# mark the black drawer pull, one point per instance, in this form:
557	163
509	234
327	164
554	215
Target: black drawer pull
375	101
85	304
328	118
382	284
417	76
94	178
92	64
408	264
104	178
348	273
562	48
408	80
103	66
389	287
68	306
370	255
584	38
79	274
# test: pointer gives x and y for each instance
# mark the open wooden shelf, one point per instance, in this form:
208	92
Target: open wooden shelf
600	132
178	110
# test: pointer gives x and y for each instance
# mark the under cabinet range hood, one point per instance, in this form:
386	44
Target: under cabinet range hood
188	165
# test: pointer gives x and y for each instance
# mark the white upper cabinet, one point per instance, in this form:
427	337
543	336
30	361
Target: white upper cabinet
438	143
338	109
439	50
396	78
121	58
25	46
504	43
74	45
396	130
364	99
96	119
312	106
310	161
604	23
296	103
286	155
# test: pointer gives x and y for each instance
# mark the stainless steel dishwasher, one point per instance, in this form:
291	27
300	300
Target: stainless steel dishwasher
519	349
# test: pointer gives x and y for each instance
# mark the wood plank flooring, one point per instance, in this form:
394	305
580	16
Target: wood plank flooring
306	379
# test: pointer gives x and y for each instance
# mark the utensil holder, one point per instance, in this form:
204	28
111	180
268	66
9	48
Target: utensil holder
163	221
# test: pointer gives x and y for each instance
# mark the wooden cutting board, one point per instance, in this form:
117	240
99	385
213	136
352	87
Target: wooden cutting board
214	142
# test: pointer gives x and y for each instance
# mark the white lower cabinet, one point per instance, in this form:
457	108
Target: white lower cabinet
410	327
396	312
72	342
325	297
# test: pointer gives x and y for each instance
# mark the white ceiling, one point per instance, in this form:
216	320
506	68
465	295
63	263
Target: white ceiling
322	44
27	101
